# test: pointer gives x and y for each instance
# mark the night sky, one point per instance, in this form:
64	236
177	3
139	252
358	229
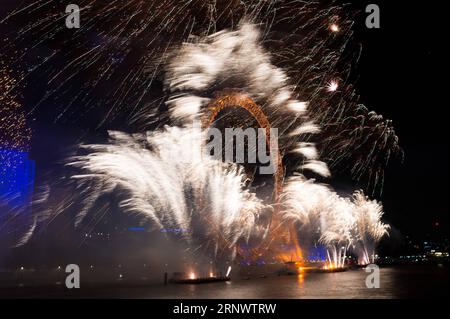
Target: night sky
404	76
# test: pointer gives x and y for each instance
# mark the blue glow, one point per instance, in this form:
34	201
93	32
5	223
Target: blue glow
317	253
136	228
16	177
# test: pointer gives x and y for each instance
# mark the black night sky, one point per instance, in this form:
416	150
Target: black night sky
404	76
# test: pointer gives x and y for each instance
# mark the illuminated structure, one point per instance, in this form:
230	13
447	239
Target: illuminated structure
277	229
240	100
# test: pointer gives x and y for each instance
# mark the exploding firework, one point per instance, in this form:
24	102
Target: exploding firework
209	69
294	76
320	215
192	187
311	41
204	197
368	229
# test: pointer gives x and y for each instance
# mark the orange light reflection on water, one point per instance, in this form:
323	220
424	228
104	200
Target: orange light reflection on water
301	279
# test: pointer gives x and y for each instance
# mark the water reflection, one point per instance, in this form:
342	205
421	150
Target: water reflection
395	282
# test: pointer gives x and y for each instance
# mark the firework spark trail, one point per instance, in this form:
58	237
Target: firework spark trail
311	41
14	129
170	184
321	72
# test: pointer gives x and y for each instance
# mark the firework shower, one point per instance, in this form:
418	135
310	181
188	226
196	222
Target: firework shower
197	139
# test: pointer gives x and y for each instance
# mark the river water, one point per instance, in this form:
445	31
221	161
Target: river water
395	282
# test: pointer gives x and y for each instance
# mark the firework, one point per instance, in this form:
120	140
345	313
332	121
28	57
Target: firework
368	229
332	86
341	224
311	41
234	63
292	76
191	191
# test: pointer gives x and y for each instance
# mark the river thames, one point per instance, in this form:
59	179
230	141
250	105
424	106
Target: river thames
419	281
